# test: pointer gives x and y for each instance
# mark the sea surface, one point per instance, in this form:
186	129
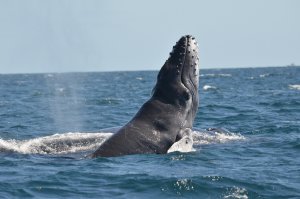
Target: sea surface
50	122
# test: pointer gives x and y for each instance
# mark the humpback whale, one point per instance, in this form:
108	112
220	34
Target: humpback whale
169	114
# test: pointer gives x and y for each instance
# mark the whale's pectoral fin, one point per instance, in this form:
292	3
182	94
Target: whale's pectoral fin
184	142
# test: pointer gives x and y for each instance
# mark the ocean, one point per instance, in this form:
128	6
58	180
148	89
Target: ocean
50	122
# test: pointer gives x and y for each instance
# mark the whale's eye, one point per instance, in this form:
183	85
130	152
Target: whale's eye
159	126
184	98
186	95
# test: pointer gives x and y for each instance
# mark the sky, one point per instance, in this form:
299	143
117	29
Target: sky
40	36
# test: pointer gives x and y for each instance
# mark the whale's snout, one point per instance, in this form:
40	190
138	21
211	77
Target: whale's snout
185	52
183	62
178	79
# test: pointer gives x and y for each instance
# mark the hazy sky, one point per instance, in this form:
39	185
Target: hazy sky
105	35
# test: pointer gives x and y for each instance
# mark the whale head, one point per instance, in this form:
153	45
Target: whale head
178	80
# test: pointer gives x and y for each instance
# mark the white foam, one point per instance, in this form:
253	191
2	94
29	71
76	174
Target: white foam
208	87
55	144
204	137
264	75
212	137
80	142
49	75
61	90
294	86
224	75
215	75
236	192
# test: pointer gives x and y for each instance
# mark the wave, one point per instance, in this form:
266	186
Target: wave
294	86
215	136
204	137
75	142
216	75
55	144
264	75
208	87
237	192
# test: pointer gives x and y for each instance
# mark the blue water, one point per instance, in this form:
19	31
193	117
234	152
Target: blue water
49	122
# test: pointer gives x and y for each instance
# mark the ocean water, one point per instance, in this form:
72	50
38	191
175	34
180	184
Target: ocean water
49	122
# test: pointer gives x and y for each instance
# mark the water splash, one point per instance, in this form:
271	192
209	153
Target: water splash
216	75
55	144
65	100
295	86
264	75
237	193
74	142
215	136
208	87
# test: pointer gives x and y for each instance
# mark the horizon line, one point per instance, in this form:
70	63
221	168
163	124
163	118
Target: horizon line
133	70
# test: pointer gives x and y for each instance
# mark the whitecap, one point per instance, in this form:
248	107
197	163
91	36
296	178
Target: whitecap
61	90
208	87
184	184
216	75
225	75
237	192
264	75
75	142
55	144
49	75
211	136
294	86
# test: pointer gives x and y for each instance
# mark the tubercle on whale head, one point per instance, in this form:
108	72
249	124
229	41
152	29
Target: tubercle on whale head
179	76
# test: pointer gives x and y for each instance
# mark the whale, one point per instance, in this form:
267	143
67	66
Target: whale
168	116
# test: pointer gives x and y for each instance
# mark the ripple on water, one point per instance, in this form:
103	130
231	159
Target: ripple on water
257	158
